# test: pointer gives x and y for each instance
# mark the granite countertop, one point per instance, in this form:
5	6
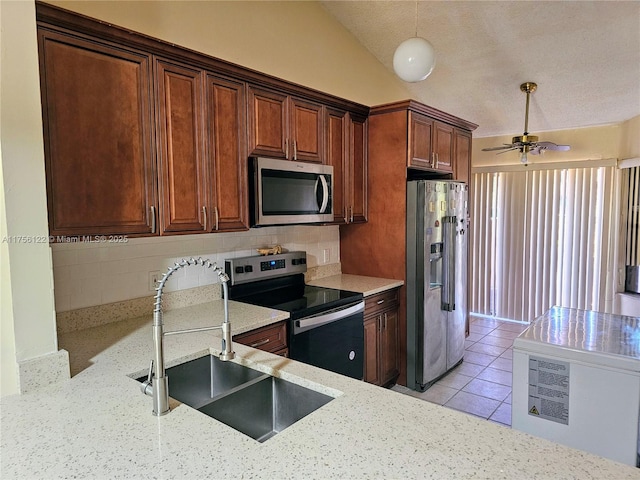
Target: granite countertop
357	283
99	425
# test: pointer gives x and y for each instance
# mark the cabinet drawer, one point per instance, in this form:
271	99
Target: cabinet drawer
381	301
271	338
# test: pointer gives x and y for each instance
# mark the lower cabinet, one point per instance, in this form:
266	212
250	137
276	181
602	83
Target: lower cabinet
381	338
272	338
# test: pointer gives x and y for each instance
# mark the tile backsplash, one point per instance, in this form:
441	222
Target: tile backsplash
89	274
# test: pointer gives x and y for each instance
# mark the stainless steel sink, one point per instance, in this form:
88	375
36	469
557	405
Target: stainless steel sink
265	407
254	403
198	382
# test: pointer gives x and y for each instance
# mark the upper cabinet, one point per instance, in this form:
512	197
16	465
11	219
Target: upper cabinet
227	149
430	144
201	154
98	136
183	166
347	153
146	138
284	126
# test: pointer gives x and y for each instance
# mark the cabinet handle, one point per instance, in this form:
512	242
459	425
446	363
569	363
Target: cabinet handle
153	219
295	150
380	302
385	321
351	207
215	210
286	148
437	160
204	215
261	342
379	323
433	159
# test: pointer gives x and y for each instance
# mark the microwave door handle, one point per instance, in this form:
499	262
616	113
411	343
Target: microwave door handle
325	193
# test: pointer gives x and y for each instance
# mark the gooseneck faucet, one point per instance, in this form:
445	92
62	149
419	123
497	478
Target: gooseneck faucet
157	384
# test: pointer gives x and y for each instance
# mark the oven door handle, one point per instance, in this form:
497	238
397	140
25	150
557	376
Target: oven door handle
327	317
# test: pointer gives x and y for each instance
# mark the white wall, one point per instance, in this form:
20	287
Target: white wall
88	274
28	317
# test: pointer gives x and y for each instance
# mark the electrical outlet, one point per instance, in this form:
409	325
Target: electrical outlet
154	278
327	255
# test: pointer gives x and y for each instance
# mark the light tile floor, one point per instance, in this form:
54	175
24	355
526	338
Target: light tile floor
481	385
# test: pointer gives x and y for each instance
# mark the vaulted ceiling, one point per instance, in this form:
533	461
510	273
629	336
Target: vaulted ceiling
584	56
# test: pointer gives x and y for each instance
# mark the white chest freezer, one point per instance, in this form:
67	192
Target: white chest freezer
576	381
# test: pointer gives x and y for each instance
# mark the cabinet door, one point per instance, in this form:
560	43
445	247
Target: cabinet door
371	350
419	141
181	156
99	151
443	147
337	157
389	346
227	149
358	169
306	136
268	128
462	155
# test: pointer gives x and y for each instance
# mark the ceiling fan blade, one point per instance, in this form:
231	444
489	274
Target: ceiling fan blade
505	146
510	150
537	150
553	146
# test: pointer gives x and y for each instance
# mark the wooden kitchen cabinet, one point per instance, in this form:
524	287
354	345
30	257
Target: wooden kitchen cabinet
285	126
381	338
98	138
358	168
227	147
347	153
143	137
202	168
182	161
272	338
430	144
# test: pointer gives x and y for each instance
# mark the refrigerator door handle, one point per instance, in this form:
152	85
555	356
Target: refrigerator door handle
448	269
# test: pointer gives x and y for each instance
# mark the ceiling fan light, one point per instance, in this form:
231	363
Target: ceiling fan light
414	59
523	157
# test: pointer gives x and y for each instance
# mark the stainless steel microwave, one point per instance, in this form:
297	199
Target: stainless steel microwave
290	193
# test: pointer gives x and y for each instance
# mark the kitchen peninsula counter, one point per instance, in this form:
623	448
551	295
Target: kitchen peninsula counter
99	425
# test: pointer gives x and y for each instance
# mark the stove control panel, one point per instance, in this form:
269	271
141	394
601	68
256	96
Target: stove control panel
261	267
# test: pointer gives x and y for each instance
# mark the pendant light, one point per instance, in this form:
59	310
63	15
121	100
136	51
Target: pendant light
414	58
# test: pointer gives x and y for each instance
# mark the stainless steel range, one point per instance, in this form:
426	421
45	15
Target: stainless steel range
326	325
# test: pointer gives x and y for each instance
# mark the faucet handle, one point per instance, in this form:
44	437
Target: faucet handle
146	386
150	374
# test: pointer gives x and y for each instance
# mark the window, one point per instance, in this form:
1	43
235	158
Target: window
541	237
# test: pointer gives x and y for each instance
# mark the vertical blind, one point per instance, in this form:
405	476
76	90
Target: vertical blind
632	256
541	238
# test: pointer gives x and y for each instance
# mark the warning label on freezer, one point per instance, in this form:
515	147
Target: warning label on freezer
549	389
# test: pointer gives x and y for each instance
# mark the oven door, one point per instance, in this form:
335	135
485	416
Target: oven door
333	340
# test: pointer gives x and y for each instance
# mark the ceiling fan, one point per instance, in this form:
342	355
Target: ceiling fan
528	143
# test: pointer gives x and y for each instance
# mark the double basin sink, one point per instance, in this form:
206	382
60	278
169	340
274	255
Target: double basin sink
252	402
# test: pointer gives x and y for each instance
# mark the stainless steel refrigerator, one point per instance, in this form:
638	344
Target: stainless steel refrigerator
436	279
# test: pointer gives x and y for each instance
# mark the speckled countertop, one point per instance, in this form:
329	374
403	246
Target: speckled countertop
98	425
357	283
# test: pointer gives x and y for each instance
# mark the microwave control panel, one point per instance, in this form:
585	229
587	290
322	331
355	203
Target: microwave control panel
261	267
